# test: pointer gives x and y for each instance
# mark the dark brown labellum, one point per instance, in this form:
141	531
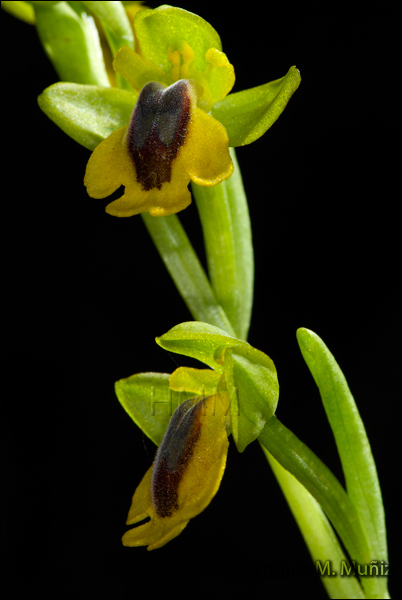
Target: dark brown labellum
173	455
157	129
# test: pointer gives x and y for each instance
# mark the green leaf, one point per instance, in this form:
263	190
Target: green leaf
303	464
167	28
226	227
87	113
248	114
21	10
71	41
149	401
186	270
201	341
116	26
115	23
317	532
351	439
252	383
203	382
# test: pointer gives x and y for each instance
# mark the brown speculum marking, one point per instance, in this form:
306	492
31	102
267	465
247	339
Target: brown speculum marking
157	129
173	456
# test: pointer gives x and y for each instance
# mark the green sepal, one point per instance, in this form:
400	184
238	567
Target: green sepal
168	27
249	375
71	40
149	401
21	10
351	439
252	383
202	341
248	114
203	382
87	113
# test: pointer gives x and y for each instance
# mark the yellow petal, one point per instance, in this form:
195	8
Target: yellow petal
219	74
136	69
206	155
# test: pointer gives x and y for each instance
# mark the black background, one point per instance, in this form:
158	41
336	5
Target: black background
85	294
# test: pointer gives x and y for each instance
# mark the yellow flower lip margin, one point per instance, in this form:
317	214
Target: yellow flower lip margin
203	155
186	473
199	149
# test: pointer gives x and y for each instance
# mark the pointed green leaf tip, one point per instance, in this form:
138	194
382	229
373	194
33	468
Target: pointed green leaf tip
21	10
351	439
247	115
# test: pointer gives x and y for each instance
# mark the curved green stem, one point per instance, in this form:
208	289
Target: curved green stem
318	534
307	468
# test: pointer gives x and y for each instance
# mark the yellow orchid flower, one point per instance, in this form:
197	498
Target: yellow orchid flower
168	142
171	138
186	473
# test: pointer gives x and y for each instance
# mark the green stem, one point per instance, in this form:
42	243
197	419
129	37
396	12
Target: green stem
299	460
186	270
318	534
307	468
